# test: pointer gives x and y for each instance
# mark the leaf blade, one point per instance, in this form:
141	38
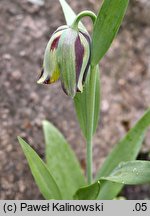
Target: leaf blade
62	162
69	14
106	27
81	105
41	174
126	150
131	173
89	192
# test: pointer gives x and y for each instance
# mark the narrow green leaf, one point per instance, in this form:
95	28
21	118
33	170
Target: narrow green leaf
62	163
109	190
97	101
106	27
131	173
81	102
69	14
126	150
41	174
89	192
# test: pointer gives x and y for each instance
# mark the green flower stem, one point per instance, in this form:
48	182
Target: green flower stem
89	161
80	16
91	98
91	102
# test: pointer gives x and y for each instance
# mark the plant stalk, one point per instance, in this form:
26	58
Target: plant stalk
91	99
81	15
89	161
91	102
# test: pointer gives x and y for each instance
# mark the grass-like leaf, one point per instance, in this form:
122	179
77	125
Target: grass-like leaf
106	27
81	102
89	192
131	173
69	14
62	162
126	150
41	174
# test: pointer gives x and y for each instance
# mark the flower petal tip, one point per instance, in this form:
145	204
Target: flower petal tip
40	81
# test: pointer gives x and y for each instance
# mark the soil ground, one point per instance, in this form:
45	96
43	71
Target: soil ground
125	76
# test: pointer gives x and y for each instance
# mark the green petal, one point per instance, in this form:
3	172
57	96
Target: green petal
66	61
85	61
50	71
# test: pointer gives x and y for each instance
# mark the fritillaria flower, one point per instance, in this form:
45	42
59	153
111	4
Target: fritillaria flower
67	56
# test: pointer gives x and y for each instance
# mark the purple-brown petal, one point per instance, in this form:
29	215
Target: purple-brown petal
47	80
78	90
63	88
60	29
87	37
88	63
86	69
54	43
79	54
42	72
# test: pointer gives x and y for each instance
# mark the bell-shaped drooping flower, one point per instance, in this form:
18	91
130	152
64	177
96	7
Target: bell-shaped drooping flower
67	56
